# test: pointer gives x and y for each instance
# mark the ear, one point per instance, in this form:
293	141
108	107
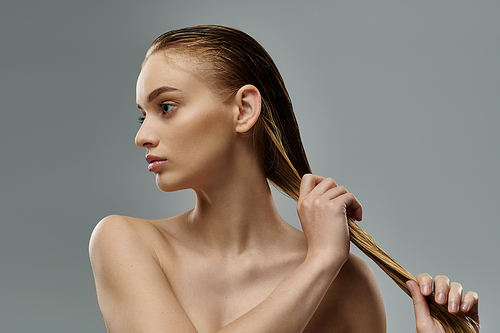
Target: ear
247	106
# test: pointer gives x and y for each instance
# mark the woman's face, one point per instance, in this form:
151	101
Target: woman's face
187	130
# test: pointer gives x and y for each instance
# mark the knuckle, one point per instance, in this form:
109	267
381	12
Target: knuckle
424	276
317	202
309	203
304	204
330	182
349	195
472	294
442	279
342	189
350	200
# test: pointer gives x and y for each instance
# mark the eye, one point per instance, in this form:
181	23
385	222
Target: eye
166	108
141	119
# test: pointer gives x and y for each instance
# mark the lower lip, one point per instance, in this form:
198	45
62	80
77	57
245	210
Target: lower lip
156	165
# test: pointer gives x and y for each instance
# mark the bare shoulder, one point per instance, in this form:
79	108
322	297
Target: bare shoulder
110	228
127	234
122	241
353	303
123	254
115	229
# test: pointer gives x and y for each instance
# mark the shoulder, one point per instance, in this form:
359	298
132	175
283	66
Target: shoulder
117	240
132	288
353	302
109	227
365	308
114	225
115	232
356	274
112	233
122	238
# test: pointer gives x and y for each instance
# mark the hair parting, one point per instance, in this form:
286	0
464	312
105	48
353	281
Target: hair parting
236	59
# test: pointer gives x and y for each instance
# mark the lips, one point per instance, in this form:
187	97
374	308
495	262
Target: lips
155	162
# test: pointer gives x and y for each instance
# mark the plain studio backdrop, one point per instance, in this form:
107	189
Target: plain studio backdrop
397	100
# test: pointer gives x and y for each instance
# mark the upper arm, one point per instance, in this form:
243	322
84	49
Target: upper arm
133	292
353	303
368	312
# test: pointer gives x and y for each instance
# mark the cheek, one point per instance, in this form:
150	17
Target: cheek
215	137
206	136
200	148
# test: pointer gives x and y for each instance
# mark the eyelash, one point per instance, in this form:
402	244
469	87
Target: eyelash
160	106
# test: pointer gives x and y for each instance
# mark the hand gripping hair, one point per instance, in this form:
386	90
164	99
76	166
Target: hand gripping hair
230	59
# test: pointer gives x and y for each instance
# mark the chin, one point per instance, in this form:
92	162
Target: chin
170	184
168	187
178	180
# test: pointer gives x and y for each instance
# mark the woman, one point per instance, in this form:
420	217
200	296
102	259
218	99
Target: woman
216	118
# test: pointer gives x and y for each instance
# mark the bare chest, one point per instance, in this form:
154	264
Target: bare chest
214	293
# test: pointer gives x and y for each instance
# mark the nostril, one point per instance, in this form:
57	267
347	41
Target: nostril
145	138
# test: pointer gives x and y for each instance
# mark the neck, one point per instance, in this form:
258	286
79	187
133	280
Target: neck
237	214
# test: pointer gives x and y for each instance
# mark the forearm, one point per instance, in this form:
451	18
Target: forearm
292	304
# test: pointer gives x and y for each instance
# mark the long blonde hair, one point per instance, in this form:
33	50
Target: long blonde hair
234	59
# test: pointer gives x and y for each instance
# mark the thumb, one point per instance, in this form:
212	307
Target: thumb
423	317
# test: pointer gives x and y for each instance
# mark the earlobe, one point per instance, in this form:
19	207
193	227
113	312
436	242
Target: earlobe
248	102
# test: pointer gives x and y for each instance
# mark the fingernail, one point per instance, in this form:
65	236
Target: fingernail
453	307
427	290
440	298
408	285
465	307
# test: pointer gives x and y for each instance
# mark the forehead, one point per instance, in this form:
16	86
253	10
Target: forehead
160	70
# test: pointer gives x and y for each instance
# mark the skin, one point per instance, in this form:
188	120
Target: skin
446	293
226	266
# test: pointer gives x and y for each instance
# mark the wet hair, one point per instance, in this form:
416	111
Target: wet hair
230	59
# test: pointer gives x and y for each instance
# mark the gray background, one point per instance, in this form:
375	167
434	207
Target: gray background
397	100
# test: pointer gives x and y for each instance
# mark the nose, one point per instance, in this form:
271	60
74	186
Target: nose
146	136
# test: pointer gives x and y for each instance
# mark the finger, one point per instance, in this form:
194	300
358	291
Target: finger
334	192
422	315
323	186
470	307
425	283
441	289
354	208
470	303
454	297
308	183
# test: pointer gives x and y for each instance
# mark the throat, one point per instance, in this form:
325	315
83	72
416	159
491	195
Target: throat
236	222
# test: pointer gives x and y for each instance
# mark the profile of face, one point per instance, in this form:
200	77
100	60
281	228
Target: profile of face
187	129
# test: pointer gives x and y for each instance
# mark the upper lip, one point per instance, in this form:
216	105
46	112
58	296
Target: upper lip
152	158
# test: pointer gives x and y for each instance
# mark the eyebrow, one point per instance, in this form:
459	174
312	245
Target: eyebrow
158	91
